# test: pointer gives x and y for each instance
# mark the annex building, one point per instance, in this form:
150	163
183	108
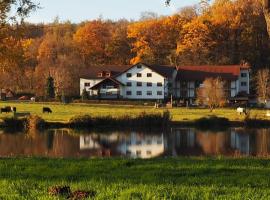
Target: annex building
157	82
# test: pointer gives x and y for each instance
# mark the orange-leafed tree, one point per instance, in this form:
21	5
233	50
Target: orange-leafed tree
153	40
93	39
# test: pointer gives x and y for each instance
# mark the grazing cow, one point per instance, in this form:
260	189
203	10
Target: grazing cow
6	109
14	109
46	110
241	110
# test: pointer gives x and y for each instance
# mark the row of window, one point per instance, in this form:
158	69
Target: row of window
243	75
139	75
148	93
139	152
149	142
148	84
243	83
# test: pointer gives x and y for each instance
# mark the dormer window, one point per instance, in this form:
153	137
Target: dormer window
108	74
139	66
100	74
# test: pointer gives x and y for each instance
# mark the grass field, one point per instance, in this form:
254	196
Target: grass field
62	113
182	178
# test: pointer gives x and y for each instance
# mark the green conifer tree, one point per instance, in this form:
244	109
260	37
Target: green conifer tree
50	93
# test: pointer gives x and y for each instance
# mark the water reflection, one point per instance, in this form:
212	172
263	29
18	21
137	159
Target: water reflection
178	142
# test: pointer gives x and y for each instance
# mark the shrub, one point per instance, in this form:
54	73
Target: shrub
82	121
141	121
13	124
85	95
212	122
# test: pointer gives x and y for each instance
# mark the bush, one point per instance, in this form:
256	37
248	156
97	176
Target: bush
13	124
83	121
212	122
141	121
85	95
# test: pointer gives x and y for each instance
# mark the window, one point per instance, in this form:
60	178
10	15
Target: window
139	75
159	84
129	75
100	74
243	83
149	74
159	93
149	84
86	84
129	84
149	153
139	84
129	93
139	93
108	74
139	66
138	152
159	142
139	142
149	93
243	75
149	142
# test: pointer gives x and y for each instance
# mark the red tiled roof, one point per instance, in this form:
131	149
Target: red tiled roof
200	73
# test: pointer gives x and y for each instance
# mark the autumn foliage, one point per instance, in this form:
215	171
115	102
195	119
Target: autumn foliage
225	32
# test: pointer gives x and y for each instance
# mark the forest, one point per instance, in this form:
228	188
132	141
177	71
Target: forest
221	33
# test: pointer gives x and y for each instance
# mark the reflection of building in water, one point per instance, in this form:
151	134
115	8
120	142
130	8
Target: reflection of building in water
87	142
240	142
142	146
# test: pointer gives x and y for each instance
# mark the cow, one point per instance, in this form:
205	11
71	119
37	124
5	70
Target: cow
46	110
6	109
14	109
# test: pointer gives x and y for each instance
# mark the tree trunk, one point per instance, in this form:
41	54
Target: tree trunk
267	13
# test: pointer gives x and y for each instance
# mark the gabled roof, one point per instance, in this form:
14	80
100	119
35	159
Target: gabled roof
91	72
200	73
164	70
116	70
106	80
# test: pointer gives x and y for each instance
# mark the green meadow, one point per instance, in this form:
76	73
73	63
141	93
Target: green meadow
62	112
181	178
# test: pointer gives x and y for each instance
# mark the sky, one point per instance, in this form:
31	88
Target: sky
81	10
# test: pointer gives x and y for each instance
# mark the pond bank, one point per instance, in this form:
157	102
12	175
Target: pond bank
171	178
142	121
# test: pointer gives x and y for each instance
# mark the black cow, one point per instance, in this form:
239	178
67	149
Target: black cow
6	109
46	110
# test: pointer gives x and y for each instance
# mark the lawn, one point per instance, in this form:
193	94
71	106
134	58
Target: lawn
181	178
62	113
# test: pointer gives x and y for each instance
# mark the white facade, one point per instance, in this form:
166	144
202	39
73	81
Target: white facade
243	81
87	84
143	83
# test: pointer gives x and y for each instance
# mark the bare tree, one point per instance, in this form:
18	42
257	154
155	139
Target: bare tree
212	93
263	84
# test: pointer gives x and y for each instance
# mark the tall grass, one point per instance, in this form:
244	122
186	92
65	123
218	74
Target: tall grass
144	120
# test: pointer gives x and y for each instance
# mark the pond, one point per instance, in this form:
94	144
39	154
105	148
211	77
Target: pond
66	143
